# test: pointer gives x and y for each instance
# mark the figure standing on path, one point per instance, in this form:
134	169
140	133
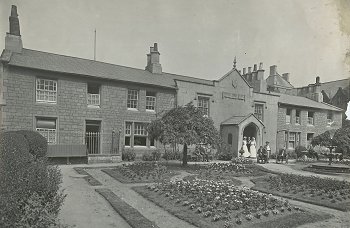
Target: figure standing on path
268	149
245	148
248	144
252	148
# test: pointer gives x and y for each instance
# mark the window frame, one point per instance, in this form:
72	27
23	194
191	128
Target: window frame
154	96
201	106
288	117
310	119
44	91
135	131
331	115
93	99
297	117
47	133
130	99
259	114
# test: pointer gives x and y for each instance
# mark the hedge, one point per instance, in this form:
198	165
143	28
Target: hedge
30	194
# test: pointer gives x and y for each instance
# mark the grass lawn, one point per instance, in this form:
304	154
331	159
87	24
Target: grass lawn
286	219
331	200
133	217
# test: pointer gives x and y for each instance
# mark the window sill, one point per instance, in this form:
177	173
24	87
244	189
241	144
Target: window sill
133	109
93	106
151	111
46	102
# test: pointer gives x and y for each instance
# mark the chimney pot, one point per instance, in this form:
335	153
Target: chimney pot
317	80
155	47
244	70
249	70
255	67
260	66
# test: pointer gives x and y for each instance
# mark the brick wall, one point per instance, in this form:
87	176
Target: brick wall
71	109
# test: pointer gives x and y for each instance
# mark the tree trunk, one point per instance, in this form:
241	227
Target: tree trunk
184	157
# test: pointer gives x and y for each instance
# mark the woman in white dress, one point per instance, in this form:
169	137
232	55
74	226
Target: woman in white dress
245	148
252	148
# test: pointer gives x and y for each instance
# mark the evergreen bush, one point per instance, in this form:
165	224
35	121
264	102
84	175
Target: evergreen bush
30	194
37	143
128	155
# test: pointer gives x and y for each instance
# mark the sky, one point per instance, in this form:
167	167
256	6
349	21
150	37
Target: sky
198	38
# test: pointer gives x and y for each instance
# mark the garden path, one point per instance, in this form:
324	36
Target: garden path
146	208
283	168
83	207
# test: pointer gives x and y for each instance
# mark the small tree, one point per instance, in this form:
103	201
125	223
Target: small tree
341	140
184	125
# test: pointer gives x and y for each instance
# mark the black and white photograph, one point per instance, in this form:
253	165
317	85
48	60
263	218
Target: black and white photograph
175	113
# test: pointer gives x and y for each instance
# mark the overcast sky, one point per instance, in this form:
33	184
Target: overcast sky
196	37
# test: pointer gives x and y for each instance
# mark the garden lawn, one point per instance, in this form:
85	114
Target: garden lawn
329	192
206	203
140	172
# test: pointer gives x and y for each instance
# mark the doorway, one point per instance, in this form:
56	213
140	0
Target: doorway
93	136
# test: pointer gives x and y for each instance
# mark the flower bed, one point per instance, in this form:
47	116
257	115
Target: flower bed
207	203
140	172
320	191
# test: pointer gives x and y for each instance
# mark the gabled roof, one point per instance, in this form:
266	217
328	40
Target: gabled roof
306	102
236	120
84	67
228	73
278	81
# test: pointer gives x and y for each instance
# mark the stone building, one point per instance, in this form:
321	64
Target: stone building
79	103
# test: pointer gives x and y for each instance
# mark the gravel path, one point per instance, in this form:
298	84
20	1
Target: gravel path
83	207
146	208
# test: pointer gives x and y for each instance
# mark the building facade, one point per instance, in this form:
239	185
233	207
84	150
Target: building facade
74	101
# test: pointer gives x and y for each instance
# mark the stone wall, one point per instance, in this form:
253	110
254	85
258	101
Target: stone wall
71	109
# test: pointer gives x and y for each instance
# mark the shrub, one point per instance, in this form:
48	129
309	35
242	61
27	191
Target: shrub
128	155
299	150
171	155
28	185
224	153
37	143
151	155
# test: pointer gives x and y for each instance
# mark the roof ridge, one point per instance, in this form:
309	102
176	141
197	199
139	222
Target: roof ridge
113	64
90	60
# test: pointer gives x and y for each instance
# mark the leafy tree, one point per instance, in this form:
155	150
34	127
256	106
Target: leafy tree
341	140
184	125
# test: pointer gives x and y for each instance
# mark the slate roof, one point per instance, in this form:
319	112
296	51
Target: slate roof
235	120
85	67
278	81
306	102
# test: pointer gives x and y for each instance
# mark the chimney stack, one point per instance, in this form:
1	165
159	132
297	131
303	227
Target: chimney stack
255	67
13	40
244	70
153	64
285	76
273	70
